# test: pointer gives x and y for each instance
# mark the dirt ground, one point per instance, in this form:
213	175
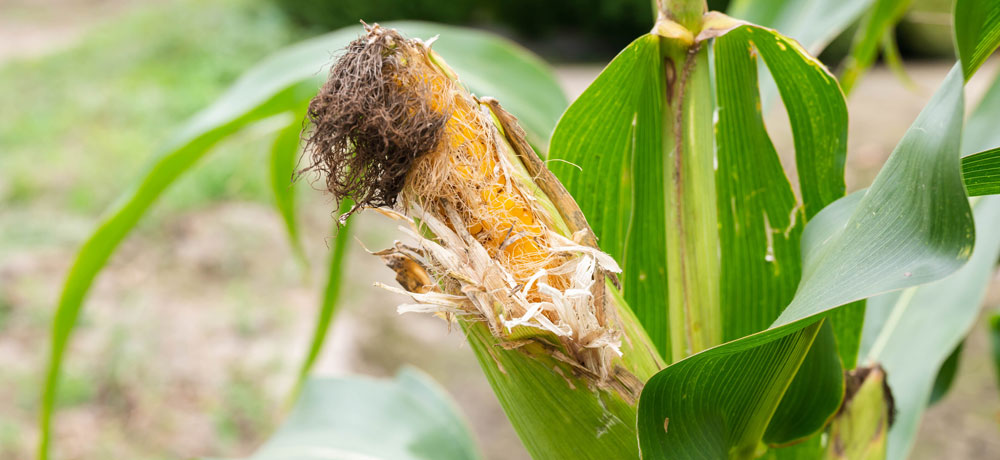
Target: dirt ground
190	338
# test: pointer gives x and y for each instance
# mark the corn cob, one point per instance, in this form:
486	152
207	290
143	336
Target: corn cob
499	244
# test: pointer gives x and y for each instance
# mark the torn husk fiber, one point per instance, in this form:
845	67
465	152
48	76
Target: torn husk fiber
501	248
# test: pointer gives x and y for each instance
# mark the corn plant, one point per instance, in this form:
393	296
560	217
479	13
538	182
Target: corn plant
645	281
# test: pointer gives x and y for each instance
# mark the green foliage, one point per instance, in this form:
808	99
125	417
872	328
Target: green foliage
813	23
877	23
406	418
283	169
994	331
848	255
717	404
929	321
95	124
946	375
331	294
610	137
977	32
981	172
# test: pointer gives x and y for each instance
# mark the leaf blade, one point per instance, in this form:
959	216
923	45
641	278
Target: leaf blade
977	32
916	324
981	172
608	149
408	418
814	24
283	158
884	15
98	248
331	294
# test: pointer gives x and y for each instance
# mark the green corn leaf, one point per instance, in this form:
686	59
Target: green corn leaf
930	321
915	216
761	235
331	294
809	449
912	226
813	23
981	172
946	375
283	82
717	404
994	332
894	60
981	131
902	324
977	32
407	418
610	141
817	388
877	23
817	113
760	220
284	157
124	215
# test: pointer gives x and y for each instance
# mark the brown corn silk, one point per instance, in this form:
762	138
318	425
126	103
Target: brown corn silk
499	244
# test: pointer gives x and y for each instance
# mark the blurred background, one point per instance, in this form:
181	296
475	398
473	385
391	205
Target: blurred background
191	337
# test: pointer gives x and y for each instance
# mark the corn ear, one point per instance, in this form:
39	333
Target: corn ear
495	244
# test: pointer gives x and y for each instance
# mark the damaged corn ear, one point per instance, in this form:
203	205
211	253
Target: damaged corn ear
498	240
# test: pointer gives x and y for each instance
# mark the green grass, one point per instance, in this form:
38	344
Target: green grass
77	127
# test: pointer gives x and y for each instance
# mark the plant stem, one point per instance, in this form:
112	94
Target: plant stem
684	12
689	188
